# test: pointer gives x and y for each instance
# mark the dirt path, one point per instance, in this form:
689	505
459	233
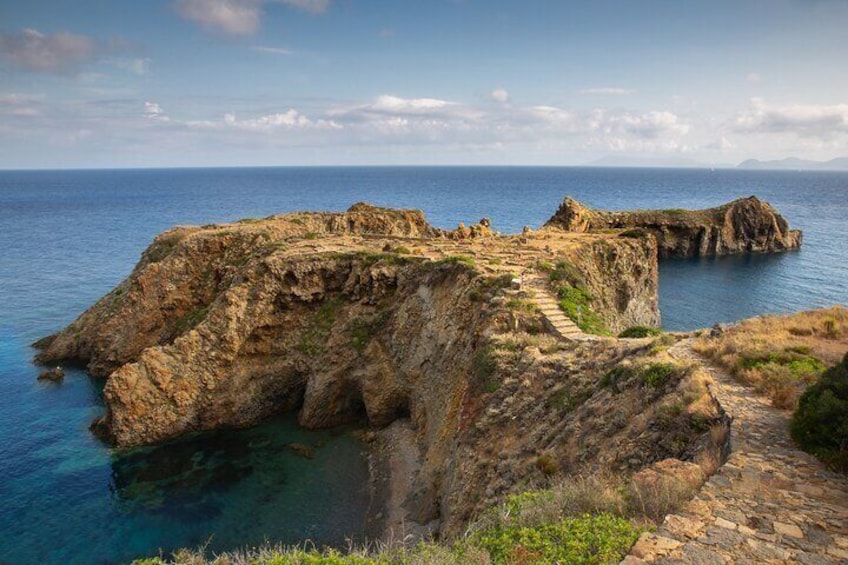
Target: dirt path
770	503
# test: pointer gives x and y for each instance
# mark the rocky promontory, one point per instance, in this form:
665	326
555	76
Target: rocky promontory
744	225
374	316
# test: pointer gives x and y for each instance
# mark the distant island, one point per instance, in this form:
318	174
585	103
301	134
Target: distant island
794	164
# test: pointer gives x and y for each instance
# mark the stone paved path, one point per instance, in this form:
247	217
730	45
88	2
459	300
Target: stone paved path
770	503
562	324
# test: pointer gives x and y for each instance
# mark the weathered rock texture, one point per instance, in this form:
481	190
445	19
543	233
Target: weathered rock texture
743	225
373	315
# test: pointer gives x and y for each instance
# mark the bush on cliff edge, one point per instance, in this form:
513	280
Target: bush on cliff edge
820	423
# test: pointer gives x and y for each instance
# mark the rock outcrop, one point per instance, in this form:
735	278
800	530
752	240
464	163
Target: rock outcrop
374	316
744	225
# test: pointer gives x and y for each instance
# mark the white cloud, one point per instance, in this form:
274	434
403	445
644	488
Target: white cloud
314	6
58	52
648	125
552	114
754	78
607	90
273	50
233	17
238	17
499	95
20	105
139	66
722	144
822	122
16	99
154	111
291	119
390	119
393	104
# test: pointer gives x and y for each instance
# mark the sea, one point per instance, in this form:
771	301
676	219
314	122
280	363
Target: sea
68	237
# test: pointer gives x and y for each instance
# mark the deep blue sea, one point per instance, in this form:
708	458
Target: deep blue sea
67	237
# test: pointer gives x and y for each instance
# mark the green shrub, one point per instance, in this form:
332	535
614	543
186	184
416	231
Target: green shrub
640	331
457	259
634	233
820	423
329	557
547	464
586	539
544	266
656	375
614	378
522	305
798	366
483	368
400	249
567	273
575	301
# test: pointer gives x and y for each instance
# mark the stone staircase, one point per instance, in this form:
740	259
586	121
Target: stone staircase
562	325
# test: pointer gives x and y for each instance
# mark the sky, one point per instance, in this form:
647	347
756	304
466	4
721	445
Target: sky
163	83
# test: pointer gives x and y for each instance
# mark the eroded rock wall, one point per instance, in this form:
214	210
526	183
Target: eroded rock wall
186	268
225	325
744	225
621	275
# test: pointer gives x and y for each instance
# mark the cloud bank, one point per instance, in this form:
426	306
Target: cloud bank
822	122
59	52
238	17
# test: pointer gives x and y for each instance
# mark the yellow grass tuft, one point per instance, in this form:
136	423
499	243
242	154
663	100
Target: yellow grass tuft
780	355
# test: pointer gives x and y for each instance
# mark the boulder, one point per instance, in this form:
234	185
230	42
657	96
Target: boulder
55	375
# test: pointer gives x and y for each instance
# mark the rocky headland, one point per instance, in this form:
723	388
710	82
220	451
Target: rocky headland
374	315
744	225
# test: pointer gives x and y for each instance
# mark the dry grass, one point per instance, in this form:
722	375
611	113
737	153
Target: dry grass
713	454
424	553
653	502
595	494
780	355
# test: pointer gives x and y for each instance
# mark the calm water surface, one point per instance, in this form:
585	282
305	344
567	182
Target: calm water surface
67	237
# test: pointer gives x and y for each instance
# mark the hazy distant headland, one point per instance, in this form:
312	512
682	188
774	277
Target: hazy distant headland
794	164
787	164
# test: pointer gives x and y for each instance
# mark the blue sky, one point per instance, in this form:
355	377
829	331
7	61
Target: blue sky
94	83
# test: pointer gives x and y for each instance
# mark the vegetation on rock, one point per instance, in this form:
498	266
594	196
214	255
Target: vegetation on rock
640	331
820	422
780	355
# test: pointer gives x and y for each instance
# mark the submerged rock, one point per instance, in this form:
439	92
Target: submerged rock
56	374
303	450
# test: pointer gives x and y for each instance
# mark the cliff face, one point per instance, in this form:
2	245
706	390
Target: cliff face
185	268
374	316
744	225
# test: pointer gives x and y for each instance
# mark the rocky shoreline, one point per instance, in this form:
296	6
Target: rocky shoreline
394	458
429	335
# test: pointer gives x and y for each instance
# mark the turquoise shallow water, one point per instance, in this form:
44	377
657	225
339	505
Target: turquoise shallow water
67	237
